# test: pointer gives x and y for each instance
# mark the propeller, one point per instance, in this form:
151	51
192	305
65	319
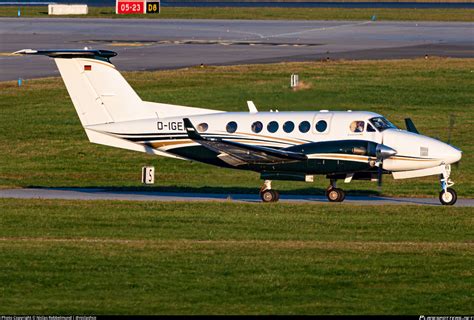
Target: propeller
382	152
379	177
452	120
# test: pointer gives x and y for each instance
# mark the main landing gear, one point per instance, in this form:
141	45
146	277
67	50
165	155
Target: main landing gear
333	193
447	196
267	194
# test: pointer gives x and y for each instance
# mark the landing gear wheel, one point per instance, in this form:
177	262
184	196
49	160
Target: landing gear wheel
343	195
269	196
335	195
448	198
277	195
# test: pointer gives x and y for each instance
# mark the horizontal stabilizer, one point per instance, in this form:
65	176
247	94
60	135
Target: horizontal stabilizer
71	53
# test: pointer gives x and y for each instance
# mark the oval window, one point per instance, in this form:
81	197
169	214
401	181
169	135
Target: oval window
231	127
321	126
304	126
202	127
257	126
288	126
272	126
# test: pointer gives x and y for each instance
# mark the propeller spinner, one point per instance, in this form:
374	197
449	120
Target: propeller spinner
382	152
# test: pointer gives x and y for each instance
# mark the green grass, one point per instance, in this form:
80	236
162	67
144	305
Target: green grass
266	13
98	257
43	144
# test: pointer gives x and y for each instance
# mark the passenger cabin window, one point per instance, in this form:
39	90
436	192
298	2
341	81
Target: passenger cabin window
321	126
257	126
272	126
304	126
357	126
381	124
370	128
231	127
288	126
202	127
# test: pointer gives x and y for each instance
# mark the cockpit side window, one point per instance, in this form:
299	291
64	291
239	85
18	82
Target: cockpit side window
357	126
370	128
381	124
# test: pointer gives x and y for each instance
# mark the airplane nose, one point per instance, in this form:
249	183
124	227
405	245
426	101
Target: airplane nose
453	155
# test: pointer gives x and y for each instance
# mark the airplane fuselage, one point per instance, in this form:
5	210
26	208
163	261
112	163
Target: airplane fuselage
335	142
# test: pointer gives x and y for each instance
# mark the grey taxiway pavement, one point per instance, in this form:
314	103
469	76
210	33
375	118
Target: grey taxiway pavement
148	44
104	194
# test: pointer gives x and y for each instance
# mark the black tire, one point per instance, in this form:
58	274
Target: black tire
268	196
277	195
449	198
343	195
335	195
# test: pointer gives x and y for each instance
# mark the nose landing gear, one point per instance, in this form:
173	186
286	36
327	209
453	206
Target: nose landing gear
447	196
267	194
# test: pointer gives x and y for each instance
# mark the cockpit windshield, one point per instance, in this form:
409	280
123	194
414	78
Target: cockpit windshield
381	123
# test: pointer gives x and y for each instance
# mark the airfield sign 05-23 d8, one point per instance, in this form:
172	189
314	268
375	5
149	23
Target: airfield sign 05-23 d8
137	6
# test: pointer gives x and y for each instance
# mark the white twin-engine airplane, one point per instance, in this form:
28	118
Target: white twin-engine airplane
279	145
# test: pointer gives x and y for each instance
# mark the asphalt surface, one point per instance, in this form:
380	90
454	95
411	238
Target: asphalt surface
104	194
146	44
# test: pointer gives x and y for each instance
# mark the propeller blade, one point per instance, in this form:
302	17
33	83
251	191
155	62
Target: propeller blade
379	176
451	125
456	164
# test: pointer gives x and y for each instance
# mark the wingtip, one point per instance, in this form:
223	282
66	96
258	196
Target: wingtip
190	130
187	123
25	51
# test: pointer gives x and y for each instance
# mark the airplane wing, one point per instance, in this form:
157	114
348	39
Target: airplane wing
236	154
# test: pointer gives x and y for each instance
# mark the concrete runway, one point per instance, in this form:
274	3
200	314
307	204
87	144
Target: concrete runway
146	44
104	194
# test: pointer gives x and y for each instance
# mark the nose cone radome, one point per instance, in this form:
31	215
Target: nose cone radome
445	152
452	155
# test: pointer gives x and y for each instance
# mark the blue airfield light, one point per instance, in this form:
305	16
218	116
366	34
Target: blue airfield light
20	81
19	11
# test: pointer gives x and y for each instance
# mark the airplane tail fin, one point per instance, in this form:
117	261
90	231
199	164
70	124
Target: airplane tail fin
100	94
